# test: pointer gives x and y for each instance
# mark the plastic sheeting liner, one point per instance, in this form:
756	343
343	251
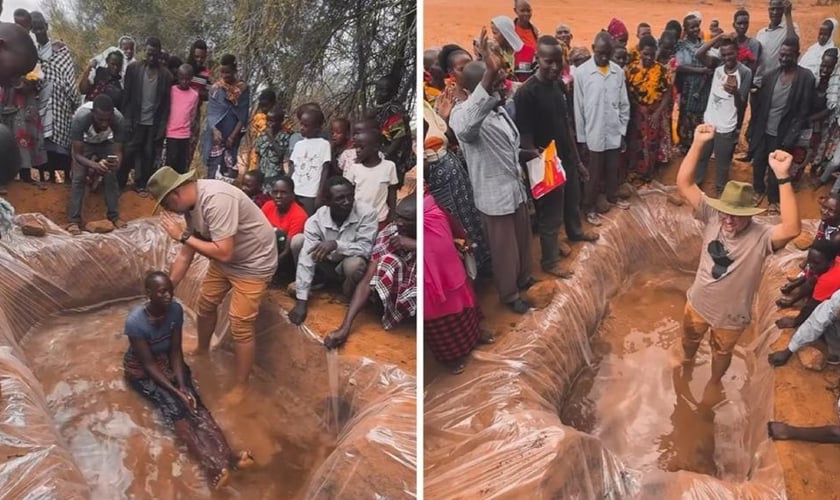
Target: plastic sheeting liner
494	431
375	452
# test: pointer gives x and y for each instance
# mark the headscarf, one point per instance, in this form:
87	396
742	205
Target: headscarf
102	62
812	58
616	28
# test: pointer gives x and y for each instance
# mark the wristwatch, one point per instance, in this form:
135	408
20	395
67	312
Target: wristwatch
784	180
185	236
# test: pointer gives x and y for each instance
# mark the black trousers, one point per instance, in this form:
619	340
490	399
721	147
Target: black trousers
549	217
571	204
764	179
140	154
177	154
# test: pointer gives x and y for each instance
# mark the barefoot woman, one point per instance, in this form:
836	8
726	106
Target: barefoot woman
154	367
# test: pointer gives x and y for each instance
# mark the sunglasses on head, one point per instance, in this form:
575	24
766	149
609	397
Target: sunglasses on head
720	257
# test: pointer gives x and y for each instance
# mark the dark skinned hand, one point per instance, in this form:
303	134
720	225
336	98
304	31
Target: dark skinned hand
336	339
323	250
403	243
526	155
731	89
583	172
298	313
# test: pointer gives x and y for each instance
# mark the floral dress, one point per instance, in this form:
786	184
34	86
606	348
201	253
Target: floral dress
270	152
646	88
20	113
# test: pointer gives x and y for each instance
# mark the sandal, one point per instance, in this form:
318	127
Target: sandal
73	229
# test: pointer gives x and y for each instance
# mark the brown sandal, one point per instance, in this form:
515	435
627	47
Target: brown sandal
73	229
242	461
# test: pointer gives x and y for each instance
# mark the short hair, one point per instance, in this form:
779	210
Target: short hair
446	54
336	180
345	123
669	35
674	26
832	52
278	110
104	103
792	42
256	174
315	113
739	13
603	36
647	41
826	247
151	276
228	60
153	42
126	38
687	19
727	40
306	106
642	25
268	95
548	40
198	44
22	13
115	53
287	179
36	16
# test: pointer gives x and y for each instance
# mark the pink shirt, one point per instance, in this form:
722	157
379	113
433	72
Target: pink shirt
184	104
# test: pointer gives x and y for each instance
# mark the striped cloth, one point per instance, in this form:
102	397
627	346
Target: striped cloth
395	279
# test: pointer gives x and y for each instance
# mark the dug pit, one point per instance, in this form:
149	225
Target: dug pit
586	398
70	427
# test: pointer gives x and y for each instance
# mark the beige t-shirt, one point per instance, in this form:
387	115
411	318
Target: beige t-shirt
222	211
372	184
726	301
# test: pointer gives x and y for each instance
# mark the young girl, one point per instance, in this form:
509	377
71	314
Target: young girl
155	368
342	145
271	148
227	113
310	160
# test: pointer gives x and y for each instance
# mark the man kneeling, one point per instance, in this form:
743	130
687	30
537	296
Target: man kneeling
391	274
96	133
336	244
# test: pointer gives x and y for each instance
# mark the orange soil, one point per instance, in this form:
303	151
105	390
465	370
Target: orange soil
325	312
801	396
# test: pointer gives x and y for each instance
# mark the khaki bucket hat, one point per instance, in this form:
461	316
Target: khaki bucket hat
166	180
736	199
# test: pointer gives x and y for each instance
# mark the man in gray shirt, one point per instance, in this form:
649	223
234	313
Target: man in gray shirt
490	142
224	225
336	243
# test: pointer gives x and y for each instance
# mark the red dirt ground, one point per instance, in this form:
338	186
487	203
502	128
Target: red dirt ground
801	396
325	312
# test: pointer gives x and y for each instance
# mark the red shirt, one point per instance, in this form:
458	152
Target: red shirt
828	282
292	222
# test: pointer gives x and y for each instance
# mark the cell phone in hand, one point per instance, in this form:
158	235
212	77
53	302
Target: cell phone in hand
731	80
112	158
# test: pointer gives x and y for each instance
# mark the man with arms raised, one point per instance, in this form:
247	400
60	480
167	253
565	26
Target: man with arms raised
732	255
224	225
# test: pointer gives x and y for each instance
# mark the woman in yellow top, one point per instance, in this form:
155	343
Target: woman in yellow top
648	87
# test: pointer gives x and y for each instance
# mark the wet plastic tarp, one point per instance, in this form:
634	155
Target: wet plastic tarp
494	431
375	453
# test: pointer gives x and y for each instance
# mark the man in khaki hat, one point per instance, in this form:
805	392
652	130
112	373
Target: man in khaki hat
225	226
732	255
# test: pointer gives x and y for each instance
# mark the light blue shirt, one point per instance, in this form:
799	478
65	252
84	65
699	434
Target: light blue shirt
815	326
602	108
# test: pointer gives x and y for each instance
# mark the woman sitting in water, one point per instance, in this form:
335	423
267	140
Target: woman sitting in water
154	367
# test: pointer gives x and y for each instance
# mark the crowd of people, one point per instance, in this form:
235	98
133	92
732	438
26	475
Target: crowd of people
616	113
301	201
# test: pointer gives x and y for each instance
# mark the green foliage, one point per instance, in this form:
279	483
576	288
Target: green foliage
330	51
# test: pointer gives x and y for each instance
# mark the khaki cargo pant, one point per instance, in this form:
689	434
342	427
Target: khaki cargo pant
244	301
722	340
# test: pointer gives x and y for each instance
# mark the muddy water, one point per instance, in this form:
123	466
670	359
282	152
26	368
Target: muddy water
639	401
121	444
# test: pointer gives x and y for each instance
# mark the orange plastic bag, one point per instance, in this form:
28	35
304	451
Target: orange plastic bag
546	172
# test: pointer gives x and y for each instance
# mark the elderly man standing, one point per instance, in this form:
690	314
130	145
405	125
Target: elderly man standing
733	253
224	225
602	112
490	142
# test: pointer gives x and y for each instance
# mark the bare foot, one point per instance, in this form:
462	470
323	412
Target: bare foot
455	367
486	338
235	396
221	479
784	303
242	461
